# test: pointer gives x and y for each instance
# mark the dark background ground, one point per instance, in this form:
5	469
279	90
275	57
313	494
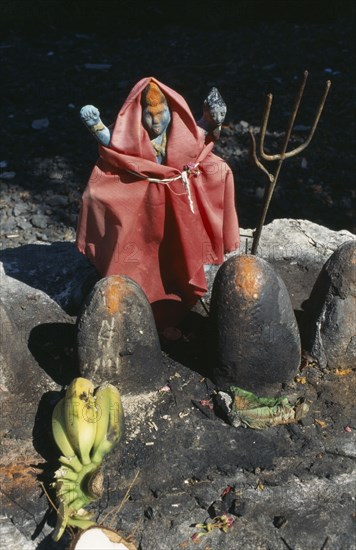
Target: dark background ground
245	48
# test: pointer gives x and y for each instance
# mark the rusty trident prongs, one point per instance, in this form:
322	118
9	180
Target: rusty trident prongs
284	154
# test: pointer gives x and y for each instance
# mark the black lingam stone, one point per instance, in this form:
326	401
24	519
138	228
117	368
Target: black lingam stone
331	310
117	337
257	338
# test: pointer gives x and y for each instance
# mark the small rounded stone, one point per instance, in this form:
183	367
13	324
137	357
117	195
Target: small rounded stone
117	336
331	309
257	337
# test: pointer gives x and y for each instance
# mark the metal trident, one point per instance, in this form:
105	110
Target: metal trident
284	154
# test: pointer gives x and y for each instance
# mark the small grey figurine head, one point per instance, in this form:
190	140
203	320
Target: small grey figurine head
215	106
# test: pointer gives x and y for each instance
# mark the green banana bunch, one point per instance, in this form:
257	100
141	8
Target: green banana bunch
110	417
86	424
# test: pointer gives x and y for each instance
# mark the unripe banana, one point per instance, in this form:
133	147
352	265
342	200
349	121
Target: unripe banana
62	520
102	403
69	516
65	473
72	461
110	421
80	417
67	497
62	487
60	434
76	503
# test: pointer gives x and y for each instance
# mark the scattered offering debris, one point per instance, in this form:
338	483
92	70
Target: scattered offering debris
244	408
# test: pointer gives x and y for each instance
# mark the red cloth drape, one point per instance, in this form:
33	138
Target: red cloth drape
130	226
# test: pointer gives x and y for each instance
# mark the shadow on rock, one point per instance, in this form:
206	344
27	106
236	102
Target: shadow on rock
49	544
43	440
53	345
58	269
302	319
45	445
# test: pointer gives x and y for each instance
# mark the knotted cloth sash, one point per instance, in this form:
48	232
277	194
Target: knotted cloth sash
188	170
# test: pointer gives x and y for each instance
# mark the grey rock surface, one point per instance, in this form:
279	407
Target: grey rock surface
302	244
15	376
16	539
299	241
57	269
41	339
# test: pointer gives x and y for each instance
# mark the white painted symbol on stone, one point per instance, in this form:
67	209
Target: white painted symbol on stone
106	333
106	366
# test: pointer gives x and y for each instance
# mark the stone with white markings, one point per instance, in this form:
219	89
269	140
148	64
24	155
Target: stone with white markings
117	337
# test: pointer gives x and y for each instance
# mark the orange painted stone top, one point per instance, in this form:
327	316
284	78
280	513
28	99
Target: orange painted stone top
249	278
114	292
130	225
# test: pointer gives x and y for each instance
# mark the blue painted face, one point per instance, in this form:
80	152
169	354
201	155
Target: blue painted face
156	119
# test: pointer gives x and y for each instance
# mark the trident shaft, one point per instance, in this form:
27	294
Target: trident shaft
284	154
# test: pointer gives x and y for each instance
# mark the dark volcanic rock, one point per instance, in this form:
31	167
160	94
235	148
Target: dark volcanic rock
9	224
257	336
14	376
39	221
117	336
59	270
37	337
332	309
